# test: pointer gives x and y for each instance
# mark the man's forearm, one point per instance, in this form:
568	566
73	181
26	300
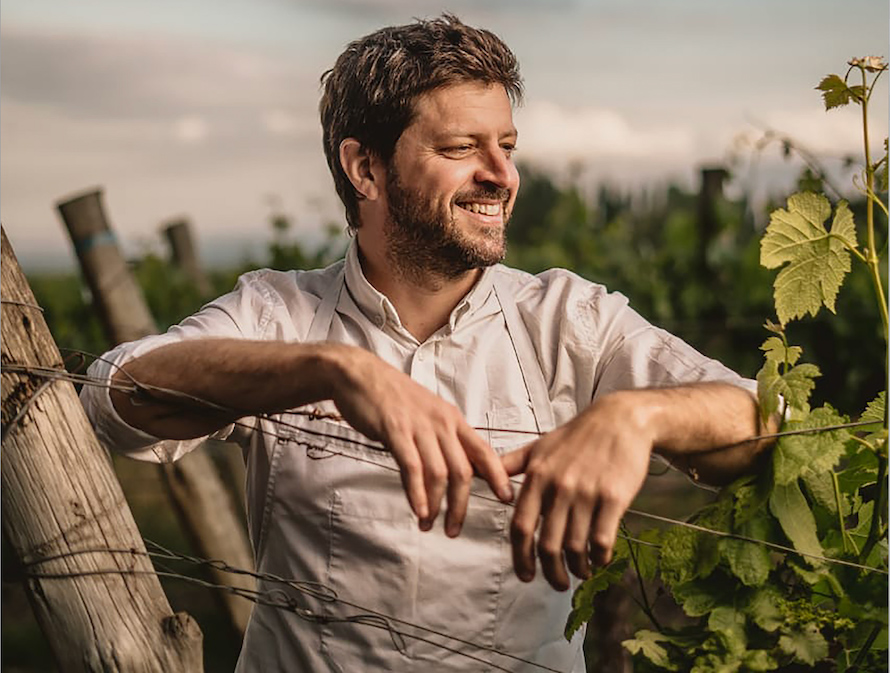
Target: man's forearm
238	378
435	448
702	428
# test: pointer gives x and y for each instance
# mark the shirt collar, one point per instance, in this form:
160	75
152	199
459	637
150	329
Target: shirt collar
379	309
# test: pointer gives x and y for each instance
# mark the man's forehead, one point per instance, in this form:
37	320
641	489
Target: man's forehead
456	108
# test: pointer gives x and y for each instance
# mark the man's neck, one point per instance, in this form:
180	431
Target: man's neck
424	301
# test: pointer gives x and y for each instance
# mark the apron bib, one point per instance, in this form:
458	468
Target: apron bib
335	513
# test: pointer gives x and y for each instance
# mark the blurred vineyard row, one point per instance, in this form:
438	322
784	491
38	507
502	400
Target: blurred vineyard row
688	262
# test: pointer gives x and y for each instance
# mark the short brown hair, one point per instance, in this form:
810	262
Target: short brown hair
370	92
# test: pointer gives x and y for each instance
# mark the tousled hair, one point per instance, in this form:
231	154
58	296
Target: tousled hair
371	91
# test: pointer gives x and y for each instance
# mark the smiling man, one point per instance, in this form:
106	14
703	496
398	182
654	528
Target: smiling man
452	374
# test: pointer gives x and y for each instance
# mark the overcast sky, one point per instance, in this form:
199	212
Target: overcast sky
208	108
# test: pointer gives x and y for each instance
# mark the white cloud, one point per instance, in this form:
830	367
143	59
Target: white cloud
837	132
281	122
549	133
191	130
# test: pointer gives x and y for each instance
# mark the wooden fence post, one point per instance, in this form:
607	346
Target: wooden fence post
103	611
184	254
202	503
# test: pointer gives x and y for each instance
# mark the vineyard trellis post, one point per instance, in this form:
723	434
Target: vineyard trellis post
102	610
204	506
184	254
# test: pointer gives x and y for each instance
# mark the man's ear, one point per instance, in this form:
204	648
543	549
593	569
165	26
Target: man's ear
359	165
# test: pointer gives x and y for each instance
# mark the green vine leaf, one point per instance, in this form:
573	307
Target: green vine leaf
874	413
819	451
817	259
775	350
748	561
807	645
582	601
763	608
835	91
729	623
646	642
646	555
759	660
679	548
795	386
820	487
789	506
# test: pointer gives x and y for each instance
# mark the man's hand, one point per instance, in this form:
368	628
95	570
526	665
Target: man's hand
433	444
582	477
579	480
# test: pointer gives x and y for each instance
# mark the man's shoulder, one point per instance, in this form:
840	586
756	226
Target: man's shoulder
288	283
525	286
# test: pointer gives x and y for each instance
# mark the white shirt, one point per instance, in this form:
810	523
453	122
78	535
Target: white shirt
321	517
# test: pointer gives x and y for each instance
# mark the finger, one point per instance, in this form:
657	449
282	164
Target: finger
411	472
522	528
435	476
577	539
605	530
460	477
515	462
550	543
486	462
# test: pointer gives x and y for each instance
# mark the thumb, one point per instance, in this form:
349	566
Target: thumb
515	461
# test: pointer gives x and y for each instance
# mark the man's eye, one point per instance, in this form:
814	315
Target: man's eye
457	150
508	148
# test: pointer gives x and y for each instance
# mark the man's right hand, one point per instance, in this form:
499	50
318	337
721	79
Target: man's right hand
433	444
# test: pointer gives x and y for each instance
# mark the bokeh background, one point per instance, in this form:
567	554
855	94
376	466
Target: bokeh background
655	139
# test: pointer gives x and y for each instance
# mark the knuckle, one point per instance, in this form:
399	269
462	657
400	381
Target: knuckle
548	550
520	531
436	473
411	463
601	540
576	546
462	473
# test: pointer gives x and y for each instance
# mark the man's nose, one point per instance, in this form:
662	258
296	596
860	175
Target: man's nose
497	168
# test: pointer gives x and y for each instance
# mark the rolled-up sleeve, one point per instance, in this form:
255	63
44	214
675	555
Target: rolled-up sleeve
234	315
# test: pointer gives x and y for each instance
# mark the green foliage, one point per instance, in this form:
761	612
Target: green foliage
787	569
817	259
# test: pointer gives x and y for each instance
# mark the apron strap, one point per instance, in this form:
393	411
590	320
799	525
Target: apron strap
324	314
532	374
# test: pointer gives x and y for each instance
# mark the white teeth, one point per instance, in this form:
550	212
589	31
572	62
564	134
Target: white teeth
483	208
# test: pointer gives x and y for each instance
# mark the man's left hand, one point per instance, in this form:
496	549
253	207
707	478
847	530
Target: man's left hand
579	481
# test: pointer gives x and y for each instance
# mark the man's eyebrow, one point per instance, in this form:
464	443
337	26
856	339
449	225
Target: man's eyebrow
446	134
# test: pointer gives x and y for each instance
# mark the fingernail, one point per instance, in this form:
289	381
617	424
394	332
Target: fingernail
526	576
506	493
452	529
425	524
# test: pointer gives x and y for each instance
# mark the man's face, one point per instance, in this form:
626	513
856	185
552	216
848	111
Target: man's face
451	183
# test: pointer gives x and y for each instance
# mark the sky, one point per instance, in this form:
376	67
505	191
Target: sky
208	109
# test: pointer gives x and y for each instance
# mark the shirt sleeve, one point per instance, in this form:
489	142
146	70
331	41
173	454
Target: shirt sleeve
239	314
633	353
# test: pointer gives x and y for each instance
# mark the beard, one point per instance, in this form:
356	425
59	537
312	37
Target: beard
425	243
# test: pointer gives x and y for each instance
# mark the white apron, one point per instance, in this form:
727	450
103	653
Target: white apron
333	512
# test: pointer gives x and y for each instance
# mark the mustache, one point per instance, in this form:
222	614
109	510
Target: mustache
484	193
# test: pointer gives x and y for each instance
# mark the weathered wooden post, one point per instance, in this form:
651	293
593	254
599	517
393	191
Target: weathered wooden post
203	504
63	511
184	254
